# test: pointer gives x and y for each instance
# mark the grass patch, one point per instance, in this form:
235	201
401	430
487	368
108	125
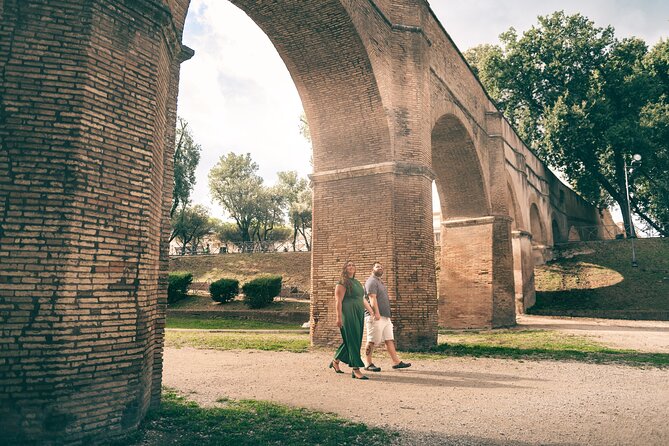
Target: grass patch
504	344
278	342
246	422
225	324
537	345
599	277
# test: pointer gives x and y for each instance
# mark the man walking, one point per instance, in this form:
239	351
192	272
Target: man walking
379	326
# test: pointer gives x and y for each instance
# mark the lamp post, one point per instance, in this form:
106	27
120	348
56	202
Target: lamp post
635	158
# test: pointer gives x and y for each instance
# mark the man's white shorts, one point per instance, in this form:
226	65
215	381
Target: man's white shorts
379	331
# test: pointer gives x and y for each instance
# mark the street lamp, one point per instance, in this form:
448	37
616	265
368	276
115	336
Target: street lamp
635	159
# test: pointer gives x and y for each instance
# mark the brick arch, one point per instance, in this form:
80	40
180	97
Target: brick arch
334	76
512	204
558	236
537	225
458	171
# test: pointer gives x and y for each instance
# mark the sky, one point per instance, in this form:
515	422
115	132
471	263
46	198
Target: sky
238	96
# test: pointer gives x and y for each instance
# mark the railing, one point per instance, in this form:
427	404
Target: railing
245	247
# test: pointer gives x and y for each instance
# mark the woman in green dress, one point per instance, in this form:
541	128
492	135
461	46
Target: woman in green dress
351	305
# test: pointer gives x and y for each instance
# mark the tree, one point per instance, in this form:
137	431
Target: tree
298	198
190	225
651	176
300	215
576	95
228	232
186	159
268	214
235	184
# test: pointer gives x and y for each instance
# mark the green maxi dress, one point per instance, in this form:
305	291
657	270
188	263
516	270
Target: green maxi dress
353	317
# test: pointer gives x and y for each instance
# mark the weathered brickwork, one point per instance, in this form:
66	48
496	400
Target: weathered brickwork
87	115
85	90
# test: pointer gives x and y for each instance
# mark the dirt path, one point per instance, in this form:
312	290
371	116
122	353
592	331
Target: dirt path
461	401
450	401
645	336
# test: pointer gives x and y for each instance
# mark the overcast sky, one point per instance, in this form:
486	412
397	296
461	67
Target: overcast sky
237	95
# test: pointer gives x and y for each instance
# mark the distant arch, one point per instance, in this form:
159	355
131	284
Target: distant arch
557	234
537	227
458	174
512	204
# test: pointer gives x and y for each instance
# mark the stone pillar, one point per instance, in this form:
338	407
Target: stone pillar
84	128
523	270
476	282
378	212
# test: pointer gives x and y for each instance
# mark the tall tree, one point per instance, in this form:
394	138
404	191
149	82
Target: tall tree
300	215
652	175
186	159
298	199
236	185
576	95
269	213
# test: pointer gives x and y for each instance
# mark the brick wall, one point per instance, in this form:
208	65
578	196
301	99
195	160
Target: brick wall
86	86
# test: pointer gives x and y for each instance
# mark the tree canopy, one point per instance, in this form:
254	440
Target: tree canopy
190	225
259	211
586	102
234	182
186	159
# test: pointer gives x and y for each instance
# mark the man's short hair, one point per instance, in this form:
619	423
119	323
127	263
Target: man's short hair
375	263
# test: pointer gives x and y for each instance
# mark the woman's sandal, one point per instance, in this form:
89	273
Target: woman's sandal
355	377
333	367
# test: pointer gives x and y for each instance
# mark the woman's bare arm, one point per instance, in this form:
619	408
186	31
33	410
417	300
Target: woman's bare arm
340	291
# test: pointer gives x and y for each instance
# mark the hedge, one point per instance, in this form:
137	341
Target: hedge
177	287
224	290
261	291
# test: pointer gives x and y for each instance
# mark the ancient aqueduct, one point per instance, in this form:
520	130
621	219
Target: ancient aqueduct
87	118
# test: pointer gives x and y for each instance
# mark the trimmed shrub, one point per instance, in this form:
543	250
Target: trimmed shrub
178	286
224	290
261	291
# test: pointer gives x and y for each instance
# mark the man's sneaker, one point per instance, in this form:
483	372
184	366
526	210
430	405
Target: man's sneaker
402	365
373	368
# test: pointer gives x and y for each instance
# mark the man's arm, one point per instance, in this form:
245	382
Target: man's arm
375	306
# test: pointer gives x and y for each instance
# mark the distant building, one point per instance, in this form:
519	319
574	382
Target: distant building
436	227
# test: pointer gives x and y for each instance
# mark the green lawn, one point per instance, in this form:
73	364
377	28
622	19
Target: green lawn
504	344
225	324
601	278
298	342
537	345
179	422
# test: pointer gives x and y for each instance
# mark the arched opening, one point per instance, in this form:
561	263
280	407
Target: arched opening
459	178
468	233
332	71
536	226
557	234
539	237
574	235
514	210
523	262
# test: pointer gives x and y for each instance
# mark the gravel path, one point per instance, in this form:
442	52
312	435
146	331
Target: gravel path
643	336
459	401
